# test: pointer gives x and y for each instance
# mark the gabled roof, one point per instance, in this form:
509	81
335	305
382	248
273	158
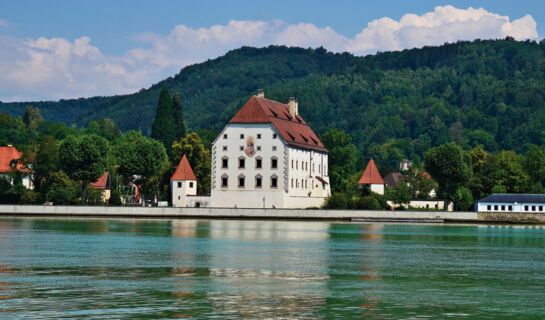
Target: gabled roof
295	132
513	197
393	179
103	182
7	156
371	174
183	171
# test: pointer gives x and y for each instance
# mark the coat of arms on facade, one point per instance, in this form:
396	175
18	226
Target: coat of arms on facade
250	146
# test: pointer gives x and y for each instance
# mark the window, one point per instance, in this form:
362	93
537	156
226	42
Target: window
274	135
274	148
533	208
224	148
297	183
258	163
178	197
488	207
292	182
224	162
241	163
306	183
510	208
292	163
241	136
274	181
296	164
496	208
313	168
191	184
436	206
503	207
306	166
274	163
179	184
224	181
259	135
225	136
540	208
525	208
241	148
258	181
258	148
241	179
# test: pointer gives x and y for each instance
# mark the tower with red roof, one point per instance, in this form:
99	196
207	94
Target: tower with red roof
371	177
183	184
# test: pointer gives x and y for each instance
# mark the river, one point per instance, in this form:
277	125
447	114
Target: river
127	269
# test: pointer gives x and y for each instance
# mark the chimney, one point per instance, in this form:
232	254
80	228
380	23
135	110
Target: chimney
293	107
261	93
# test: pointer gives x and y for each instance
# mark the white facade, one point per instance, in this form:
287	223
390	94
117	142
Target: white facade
180	190
511	207
253	167
377	188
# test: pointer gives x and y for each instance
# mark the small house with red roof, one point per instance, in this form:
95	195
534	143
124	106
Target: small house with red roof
183	185
10	161
103	184
267	156
371	177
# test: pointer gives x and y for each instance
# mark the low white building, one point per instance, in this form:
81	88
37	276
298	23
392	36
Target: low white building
268	157
511	202
372	178
183	185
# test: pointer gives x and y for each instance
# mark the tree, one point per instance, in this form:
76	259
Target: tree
32	118
178	116
341	158
163	128
140	158
450	166
108	129
84	159
463	199
419	182
534	164
400	195
59	189
198	156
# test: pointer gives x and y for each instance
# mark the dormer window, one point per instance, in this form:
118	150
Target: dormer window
314	140
291	136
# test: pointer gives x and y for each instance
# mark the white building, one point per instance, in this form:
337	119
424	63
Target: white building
510	202
183	185
268	157
10	161
372	178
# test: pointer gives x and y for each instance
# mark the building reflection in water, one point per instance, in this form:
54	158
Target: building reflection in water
256	268
372	235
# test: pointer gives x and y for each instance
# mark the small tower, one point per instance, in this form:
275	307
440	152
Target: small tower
372	177
183	183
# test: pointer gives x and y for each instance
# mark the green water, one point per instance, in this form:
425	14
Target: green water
111	269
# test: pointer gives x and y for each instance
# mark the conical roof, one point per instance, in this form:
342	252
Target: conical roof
184	171
371	174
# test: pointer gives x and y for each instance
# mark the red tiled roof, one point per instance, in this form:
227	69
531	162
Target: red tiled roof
295	132
371	174
7	155
183	171
102	182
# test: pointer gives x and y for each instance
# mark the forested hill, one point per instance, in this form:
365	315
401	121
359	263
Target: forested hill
393	104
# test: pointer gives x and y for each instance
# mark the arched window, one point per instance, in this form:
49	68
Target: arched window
241	162
241	180
258	181
274	181
258	162
274	162
224	162
224	181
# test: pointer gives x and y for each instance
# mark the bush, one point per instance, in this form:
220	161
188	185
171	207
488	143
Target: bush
115	198
369	202
337	200
94	197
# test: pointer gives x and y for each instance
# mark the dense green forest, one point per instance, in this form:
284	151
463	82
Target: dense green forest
394	105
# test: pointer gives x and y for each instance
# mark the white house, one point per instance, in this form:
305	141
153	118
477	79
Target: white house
183	185
371	177
511	202
268	157
10	162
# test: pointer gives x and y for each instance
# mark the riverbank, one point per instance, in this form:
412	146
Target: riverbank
258	213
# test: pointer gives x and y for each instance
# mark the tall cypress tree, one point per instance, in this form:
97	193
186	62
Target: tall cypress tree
178	116
163	128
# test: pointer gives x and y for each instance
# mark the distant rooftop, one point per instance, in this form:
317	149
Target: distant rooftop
514	197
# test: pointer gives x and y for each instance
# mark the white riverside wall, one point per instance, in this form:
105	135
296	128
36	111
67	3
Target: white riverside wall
167	212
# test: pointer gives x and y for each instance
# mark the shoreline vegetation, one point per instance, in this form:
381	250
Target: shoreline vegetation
468	116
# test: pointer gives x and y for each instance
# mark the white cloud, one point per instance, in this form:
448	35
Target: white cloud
444	24
58	68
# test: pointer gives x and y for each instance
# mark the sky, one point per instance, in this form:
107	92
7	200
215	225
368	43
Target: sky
62	49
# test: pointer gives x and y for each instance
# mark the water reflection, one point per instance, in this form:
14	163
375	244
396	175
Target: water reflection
95	268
